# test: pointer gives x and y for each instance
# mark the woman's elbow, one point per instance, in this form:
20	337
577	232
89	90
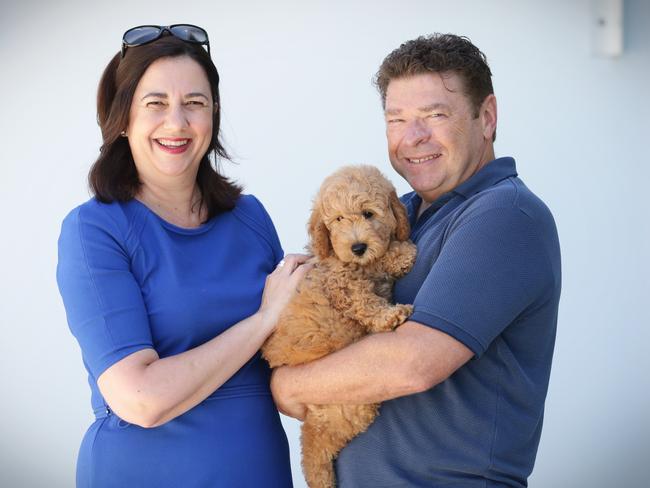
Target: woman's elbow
150	422
130	392
143	415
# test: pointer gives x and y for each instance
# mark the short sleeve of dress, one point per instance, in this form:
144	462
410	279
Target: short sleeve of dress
251	211
491	267
103	301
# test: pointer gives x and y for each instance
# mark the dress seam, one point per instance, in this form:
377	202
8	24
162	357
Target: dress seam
253	225
92	278
92	450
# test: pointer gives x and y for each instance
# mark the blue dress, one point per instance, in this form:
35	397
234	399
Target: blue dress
131	281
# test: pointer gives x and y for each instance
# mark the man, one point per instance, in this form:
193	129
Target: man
464	380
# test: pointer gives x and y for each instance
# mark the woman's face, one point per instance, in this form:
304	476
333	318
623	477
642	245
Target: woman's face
170	121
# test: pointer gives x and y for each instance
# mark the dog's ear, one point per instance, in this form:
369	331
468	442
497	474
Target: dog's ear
403	230
319	235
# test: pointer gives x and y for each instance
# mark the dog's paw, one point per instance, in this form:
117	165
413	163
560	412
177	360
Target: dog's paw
392	317
402	313
401	257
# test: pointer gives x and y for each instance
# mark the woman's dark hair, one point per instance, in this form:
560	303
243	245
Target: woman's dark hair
114	176
439	53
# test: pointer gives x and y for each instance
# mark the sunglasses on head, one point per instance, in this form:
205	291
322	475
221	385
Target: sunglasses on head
144	34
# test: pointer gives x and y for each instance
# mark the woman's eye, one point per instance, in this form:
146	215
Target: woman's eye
367	214
155	104
196	103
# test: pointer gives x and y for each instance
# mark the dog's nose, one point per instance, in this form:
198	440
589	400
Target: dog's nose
359	248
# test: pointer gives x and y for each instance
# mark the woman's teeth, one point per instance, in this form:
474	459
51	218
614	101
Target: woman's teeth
167	143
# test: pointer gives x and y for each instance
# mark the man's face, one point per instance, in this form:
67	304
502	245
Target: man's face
434	140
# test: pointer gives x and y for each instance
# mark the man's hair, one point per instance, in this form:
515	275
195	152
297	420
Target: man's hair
439	53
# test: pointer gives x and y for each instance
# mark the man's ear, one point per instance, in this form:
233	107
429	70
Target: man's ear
319	235
488	115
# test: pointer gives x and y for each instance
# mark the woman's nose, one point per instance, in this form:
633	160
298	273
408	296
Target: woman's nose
176	118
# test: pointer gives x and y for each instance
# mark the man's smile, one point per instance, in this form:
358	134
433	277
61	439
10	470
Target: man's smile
423	159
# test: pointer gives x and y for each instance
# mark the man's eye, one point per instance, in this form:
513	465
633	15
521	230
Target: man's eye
367	214
394	121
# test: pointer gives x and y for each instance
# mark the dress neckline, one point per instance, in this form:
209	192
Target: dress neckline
175	228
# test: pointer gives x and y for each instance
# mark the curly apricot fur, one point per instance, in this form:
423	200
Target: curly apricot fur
344	297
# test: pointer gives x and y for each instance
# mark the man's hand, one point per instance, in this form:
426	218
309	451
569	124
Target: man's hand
281	389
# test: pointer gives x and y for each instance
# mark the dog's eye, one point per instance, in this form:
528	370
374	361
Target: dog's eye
339	218
367	214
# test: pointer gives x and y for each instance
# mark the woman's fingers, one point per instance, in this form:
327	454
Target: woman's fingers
291	261
282	283
301	270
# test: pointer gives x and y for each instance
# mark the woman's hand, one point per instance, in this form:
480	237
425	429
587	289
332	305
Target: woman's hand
281	286
148	391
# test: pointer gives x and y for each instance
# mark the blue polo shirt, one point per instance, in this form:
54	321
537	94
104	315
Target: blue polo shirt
488	274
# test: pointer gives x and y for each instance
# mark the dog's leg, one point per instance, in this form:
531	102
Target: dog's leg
358	301
328	429
399	258
317	457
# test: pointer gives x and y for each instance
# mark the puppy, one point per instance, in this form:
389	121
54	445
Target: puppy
358	233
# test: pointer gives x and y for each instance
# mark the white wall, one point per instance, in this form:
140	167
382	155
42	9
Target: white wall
297	104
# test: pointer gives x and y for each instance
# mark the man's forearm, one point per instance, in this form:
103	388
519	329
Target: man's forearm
376	368
379	367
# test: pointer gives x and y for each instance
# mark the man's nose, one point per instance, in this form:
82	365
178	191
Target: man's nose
417	132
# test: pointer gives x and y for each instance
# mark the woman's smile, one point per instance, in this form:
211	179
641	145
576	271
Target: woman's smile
173	145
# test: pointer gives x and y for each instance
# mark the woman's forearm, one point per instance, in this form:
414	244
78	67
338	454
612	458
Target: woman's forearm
148	391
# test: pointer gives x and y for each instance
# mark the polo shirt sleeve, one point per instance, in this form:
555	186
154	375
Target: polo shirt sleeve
103	301
491	268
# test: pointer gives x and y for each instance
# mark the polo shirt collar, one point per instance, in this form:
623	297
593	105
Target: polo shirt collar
489	175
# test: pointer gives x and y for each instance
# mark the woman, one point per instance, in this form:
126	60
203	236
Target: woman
164	279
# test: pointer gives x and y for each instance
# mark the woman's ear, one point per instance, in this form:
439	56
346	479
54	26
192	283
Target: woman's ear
403	229
319	235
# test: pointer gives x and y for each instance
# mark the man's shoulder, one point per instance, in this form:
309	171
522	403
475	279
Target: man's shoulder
510	194
512	207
